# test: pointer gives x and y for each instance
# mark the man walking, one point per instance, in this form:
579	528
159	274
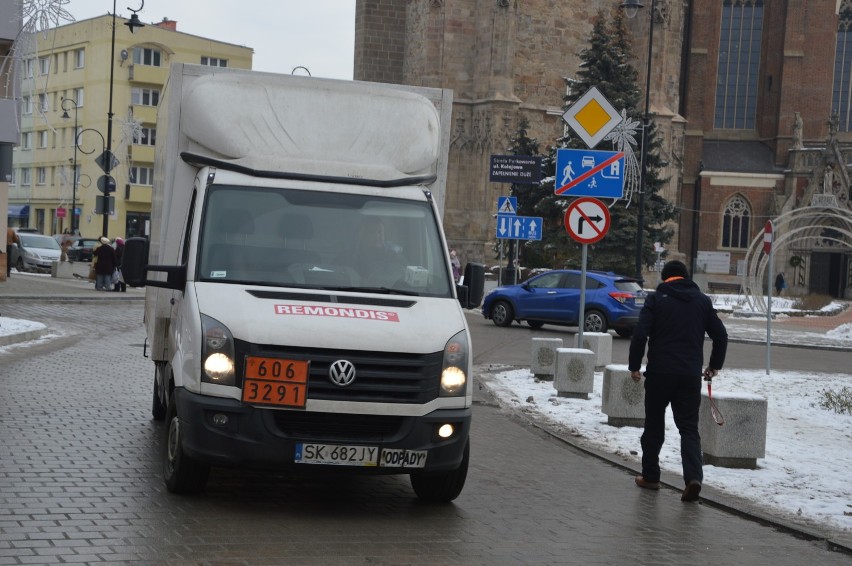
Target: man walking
673	323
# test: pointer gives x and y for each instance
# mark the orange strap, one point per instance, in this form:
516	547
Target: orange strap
673	278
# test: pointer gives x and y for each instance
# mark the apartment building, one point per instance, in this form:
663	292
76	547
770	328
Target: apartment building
57	171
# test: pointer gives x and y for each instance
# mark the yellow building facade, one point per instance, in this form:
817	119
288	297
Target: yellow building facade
66	85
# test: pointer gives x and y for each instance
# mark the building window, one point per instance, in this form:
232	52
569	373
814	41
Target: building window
27	140
44	65
147	136
26	176
735	223
28	68
214	62
146	56
78	97
145	96
739	63
142	175
841	100
43	106
27	104
79	58
14	179
42	139
41	175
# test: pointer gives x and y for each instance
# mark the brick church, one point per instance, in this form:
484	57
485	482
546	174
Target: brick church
752	98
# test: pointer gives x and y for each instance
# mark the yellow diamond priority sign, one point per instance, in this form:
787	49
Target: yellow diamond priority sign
592	117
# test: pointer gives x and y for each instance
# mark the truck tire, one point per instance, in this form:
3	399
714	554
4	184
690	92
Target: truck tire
158	409
181	473
441	487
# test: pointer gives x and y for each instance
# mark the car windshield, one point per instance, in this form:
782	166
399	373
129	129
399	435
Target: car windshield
37	241
322	240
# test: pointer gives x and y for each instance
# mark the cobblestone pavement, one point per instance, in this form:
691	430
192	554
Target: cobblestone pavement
80	483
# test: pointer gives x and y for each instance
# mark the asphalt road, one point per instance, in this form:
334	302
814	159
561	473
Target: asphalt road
80	482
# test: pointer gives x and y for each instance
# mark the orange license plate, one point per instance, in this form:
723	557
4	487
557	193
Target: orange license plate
275	381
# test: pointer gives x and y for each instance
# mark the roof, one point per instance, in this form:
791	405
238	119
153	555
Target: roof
739	157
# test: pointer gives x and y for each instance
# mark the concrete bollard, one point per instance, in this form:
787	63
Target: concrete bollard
543	365
575	373
622	399
742	439
61	270
598	342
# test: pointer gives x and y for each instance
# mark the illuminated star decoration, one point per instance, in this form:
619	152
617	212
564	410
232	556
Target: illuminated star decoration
623	138
41	15
131	132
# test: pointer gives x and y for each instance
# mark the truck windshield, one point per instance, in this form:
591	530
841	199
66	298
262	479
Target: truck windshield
324	240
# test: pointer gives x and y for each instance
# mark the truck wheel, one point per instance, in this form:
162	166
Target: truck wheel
595	321
441	487
158	409
181	473
502	313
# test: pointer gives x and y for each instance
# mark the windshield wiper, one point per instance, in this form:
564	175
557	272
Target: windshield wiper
378	290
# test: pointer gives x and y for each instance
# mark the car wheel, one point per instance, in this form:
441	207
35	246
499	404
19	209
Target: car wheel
441	487
595	321
502	314
624	332
181	473
535	324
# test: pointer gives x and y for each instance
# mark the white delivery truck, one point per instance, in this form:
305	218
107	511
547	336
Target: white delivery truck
300	306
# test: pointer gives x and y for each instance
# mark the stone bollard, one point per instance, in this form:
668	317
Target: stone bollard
741	440
598	342
543	365
622	399
575	373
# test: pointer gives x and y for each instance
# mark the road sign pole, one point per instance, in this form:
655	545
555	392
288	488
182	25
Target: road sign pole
582	322
767	248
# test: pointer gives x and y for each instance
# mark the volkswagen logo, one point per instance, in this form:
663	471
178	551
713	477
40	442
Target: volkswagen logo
342	373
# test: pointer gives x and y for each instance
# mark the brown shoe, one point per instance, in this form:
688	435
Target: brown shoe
691	491
645	484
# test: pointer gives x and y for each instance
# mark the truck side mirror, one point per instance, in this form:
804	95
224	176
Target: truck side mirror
134	260
471	291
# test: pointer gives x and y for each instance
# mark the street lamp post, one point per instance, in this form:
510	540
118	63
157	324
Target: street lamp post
74	173
133	23
631	8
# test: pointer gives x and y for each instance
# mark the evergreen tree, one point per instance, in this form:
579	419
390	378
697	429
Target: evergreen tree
604	64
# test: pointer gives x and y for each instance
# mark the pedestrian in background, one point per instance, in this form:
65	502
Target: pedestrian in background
780	284
120	285
11	238
104	259
456	262
673	323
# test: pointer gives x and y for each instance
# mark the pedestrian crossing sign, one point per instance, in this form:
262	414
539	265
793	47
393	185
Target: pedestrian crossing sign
507	205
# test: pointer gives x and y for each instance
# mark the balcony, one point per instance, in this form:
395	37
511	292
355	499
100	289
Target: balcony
137	193
139	154
145	114
147	74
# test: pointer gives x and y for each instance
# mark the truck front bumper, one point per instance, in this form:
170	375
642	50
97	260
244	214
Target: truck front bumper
226	432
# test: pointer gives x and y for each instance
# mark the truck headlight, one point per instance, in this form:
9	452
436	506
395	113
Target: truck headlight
453	373
217	352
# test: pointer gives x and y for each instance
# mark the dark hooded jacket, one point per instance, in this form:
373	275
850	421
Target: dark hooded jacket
673	323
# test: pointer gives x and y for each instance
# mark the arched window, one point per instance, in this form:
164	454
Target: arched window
840	102
735	223
738	64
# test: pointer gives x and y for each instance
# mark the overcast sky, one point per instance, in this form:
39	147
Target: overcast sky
317	34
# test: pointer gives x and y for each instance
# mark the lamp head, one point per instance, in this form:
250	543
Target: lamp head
631	7
65	115
134	23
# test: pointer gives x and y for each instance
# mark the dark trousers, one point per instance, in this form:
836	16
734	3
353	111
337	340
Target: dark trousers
8	260
684	395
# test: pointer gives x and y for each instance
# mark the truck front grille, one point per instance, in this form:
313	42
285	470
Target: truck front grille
382	377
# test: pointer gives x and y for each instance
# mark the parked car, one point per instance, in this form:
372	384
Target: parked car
81	249
34	251
612	301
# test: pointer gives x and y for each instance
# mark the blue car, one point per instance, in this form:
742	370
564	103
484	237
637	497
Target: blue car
612	301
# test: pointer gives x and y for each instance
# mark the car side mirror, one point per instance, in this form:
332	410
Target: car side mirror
471	291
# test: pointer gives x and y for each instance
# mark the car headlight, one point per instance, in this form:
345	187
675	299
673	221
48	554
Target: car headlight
454	370
217	352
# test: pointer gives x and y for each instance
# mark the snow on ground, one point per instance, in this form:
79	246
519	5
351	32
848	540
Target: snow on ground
804	476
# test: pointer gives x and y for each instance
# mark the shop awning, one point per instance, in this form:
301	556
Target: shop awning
19	210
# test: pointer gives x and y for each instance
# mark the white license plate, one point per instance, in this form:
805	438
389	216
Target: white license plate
639	301
340	455
336	455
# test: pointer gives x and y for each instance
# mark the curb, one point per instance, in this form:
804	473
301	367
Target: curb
27	336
